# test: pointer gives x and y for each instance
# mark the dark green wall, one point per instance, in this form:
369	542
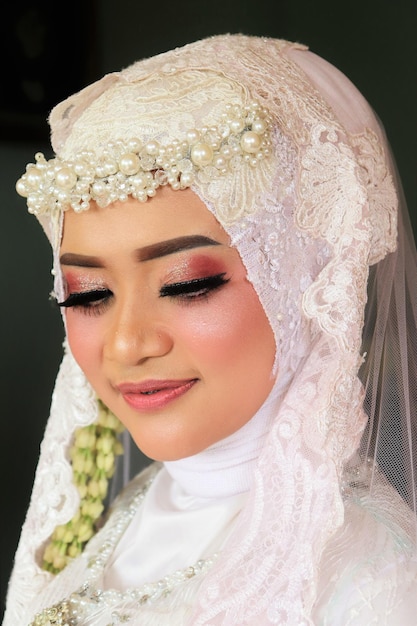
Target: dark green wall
373	42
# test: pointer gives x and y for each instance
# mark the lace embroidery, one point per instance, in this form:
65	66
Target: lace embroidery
381	194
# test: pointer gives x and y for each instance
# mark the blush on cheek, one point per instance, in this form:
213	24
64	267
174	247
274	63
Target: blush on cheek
81	340
221	325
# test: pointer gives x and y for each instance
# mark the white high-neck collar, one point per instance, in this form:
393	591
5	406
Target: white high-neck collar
226	468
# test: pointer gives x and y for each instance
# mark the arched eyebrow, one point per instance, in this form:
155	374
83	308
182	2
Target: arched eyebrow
147	253
163	248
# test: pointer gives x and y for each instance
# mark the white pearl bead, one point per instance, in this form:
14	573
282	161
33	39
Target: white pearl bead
201	154
33	204
250	142
129	163
193	136
21	188
259	126
98	188
220	162
237	126
152	148
226	151
34	177
80	169
65	178
187	179
135	145
110	167
83	189
139	181
63	197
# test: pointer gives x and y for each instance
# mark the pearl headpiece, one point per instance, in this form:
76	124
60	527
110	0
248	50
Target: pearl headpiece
131	168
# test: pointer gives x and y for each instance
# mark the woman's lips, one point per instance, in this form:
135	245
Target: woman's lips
154	394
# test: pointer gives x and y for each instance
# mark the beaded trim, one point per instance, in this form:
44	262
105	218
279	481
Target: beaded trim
131	168
83	603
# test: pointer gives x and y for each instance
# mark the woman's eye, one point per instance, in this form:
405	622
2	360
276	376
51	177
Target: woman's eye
195	288
89	301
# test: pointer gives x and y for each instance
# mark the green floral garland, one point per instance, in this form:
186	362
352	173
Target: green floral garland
93	457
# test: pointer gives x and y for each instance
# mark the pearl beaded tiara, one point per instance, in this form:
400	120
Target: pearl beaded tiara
137	169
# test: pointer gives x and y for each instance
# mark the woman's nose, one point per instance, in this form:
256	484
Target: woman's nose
134	337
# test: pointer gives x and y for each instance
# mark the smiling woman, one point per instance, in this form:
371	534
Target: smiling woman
237	285
157	304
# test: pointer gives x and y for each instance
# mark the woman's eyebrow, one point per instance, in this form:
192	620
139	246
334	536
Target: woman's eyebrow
80	260
147	253
163	248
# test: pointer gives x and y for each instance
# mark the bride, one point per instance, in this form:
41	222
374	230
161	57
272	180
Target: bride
232	261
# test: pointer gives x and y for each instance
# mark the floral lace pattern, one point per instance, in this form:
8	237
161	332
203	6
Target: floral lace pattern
54	498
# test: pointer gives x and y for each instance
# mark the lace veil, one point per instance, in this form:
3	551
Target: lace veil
322	228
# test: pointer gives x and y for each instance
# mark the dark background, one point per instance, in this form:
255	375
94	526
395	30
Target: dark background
46	56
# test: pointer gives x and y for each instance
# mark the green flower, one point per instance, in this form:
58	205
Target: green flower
93	457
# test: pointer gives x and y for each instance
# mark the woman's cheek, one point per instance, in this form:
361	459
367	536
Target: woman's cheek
219	326
83	338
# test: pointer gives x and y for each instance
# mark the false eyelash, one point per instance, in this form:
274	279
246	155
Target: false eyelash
195	288
84	299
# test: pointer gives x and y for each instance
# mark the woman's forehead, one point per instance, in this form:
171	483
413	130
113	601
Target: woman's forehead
169	215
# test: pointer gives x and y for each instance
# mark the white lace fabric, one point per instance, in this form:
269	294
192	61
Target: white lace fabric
308	224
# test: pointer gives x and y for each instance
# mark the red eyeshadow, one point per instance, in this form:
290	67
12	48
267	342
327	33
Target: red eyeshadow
77	283
205	264
196	266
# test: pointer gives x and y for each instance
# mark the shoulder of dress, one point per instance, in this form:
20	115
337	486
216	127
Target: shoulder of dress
369	568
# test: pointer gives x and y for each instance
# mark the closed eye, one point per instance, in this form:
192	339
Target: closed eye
90	301
194	289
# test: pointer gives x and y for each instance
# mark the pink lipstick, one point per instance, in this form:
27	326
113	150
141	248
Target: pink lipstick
154	394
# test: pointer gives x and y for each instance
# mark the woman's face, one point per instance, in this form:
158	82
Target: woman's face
164	323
